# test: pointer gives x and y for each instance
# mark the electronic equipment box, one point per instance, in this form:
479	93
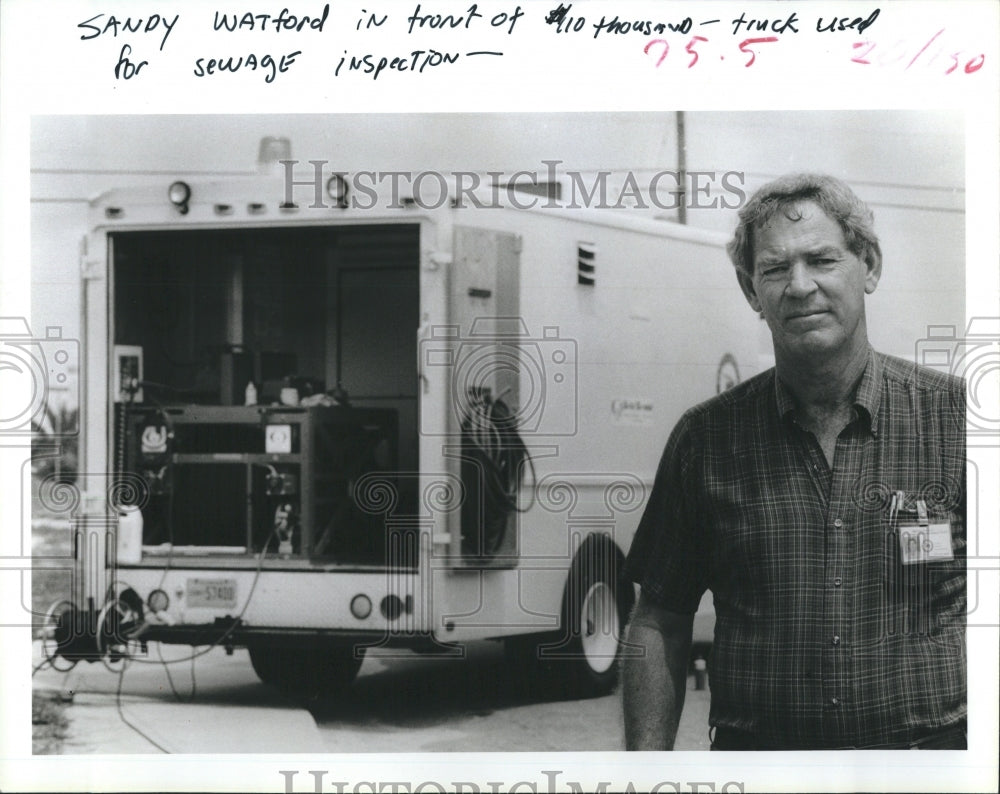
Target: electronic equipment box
237	479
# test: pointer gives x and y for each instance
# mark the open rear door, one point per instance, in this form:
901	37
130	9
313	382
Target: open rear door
485	392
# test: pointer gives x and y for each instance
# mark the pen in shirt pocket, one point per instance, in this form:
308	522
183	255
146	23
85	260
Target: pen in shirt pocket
898	498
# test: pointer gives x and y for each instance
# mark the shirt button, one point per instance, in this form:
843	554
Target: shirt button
838	582
836	639
834	701
838	523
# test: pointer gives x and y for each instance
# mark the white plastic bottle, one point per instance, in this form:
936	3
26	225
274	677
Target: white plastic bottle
129	535
250	396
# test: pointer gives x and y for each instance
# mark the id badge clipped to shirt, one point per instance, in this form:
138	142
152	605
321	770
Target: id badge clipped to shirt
923	541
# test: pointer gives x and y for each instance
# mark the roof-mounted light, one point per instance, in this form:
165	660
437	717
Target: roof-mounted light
336	189
273	149
179	195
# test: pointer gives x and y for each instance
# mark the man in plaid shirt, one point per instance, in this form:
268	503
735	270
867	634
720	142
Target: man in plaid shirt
822	502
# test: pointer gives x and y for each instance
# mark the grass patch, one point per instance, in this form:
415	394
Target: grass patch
51	570
51	558
48	723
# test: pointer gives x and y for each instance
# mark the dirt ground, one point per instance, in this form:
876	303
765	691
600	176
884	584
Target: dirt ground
48	723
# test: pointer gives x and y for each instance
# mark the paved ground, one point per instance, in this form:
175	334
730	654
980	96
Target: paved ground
427	704
216	704
406	703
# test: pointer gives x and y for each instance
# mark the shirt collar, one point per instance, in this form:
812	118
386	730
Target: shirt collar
867	399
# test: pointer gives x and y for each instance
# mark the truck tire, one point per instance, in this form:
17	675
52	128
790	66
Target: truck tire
596	608
581	659
310	675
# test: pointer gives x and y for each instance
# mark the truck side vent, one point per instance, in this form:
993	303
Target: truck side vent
586	254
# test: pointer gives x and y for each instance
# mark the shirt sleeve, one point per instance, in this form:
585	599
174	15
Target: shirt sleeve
667	558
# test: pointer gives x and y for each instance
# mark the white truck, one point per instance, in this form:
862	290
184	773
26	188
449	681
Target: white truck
331	430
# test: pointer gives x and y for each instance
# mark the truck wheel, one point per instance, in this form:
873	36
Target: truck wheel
311	675
581	659
596	607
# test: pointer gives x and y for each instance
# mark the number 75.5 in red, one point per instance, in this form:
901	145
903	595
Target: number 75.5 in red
744	46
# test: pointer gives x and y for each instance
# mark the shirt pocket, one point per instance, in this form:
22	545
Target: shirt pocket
923	597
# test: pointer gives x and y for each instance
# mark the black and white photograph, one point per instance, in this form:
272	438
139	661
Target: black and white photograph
367	446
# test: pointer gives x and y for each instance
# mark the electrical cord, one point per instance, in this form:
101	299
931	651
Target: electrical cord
167	478
121	713
168	563
166	472
228	631
170	679
42	665
166	664
50	643
49	661
490	429
169	512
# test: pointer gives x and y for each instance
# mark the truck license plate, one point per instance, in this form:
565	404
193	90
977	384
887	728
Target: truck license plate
211	592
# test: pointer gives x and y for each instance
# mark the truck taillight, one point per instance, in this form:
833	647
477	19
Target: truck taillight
361	606
158	601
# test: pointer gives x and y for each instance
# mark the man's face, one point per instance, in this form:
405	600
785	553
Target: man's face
809	287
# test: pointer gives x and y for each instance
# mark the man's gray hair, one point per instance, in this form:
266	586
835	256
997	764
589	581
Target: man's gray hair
835	198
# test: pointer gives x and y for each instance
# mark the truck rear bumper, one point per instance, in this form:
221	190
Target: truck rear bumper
234	633
193	602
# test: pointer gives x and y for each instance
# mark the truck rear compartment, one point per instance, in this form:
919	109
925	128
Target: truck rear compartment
323	322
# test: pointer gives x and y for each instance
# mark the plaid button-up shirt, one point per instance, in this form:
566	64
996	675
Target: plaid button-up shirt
824	638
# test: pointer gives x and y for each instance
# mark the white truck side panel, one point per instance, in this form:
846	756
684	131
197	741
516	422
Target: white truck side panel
663	328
